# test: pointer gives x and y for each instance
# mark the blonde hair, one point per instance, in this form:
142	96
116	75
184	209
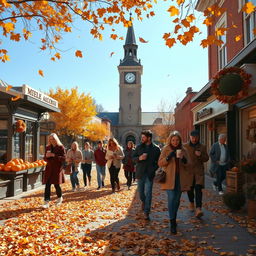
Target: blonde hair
130	142
56	138
117	146
173	134
75	143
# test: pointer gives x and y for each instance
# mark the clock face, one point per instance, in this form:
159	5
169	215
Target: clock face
129	78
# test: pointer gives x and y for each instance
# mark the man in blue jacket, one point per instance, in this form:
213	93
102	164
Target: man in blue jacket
220	158
146	157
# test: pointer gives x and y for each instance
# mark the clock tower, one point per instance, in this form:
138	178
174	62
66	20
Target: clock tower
130	71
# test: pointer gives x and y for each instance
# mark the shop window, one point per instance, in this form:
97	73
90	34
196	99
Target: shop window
222	49
3	141
249	24
29	142
16	145
249	133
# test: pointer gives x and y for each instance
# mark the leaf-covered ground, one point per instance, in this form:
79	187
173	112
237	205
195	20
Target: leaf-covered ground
97	222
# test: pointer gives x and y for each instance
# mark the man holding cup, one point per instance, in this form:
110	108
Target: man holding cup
197	154
146	157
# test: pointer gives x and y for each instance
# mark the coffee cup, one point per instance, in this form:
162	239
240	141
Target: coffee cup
178	153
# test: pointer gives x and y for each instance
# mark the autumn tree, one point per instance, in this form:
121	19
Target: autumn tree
96	131
76	111
163	129
19	19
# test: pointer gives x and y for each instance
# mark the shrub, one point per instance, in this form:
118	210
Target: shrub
233	200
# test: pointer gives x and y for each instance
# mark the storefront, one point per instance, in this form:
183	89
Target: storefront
26	105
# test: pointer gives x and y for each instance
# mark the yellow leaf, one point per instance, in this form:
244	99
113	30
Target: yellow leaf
57	55
179	2
8	88
248	8
79	54
5	58
220	31
8	27
238	38
142	40
173	10
40	72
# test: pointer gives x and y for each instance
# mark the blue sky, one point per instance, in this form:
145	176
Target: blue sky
167	71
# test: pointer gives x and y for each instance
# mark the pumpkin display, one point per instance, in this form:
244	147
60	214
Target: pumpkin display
18	164
20	126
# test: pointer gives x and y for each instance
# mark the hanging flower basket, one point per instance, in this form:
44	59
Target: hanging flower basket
20	126
230	85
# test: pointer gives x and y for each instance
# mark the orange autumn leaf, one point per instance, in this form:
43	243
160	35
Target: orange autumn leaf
173	11
185	23
40	72
8	27
170	42
177	27
8	88
220	31
16	98
238	38
57	55
179	2
114	36
254	31
79	54
248	8
111	54
142	40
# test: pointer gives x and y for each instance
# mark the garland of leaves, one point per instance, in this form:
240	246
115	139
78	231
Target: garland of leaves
242	93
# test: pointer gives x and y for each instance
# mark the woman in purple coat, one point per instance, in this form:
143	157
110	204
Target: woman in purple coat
54	156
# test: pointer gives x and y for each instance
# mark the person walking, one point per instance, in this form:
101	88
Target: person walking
128	164
173	160
88	158
198	155
146	157
114	158
220	159
55	157
74	157
100	160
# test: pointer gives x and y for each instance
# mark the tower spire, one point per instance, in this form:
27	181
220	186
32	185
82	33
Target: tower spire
130	48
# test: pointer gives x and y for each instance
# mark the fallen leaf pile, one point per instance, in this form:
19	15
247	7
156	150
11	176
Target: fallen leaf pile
98	222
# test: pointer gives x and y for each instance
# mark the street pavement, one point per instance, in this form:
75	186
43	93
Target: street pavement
115	224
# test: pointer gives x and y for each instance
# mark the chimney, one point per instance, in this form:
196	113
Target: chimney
189	90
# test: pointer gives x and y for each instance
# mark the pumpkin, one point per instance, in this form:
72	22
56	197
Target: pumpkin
16	168
234	169
7	168
1	167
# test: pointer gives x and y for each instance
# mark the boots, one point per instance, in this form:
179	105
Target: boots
173	226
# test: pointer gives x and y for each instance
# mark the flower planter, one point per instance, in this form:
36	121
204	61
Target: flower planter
251	208
33	178
16	182
4	188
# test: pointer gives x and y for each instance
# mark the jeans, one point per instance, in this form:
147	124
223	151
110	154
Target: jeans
47	191
145	186
114	180
128	176
73	177
101	173
196	191
220	176
174	199
86	172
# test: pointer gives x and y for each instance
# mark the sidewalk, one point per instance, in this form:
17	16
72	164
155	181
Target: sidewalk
97	222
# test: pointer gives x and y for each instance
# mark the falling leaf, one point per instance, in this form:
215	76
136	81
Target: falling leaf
142	40
111	54
8	88
40	72
79	54
173	11
16	98
248	8
238	38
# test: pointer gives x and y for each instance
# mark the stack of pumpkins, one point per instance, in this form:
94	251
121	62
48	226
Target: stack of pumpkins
19	164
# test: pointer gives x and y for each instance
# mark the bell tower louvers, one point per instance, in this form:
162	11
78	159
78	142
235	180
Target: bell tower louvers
130	71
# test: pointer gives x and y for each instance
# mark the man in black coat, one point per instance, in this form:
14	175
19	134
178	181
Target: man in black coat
146	157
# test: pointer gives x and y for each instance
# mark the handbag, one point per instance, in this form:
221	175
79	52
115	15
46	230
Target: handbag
67	168
160	176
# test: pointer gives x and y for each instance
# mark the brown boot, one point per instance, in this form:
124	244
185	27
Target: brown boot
191	206
199	212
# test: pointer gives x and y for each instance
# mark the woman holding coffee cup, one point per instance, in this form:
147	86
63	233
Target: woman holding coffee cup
173	160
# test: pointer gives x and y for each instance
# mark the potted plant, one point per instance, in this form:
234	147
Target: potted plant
251	200
233	200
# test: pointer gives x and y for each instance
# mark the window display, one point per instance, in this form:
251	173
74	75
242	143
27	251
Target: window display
3	141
